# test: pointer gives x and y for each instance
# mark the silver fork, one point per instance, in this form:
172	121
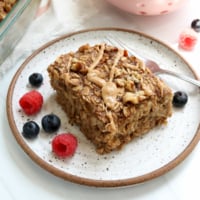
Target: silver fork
152	65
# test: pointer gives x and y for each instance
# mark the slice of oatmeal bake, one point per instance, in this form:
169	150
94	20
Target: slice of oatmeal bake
110	95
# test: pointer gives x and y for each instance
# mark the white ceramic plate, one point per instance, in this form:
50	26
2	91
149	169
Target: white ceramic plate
142	159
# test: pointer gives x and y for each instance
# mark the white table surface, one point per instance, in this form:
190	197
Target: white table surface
20	177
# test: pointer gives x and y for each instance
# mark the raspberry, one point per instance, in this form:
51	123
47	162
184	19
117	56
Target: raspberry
188	39
64	145
31	102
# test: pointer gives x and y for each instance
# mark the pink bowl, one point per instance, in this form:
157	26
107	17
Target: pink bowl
148	7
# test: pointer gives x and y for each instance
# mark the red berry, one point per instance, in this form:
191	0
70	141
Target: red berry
64	145
31	102
188	39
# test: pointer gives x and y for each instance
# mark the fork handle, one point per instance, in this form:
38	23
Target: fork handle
180	76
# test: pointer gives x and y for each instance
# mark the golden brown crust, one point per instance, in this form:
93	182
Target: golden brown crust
5	7
113	97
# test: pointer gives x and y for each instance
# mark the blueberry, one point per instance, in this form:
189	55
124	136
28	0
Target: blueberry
180	98
30	130
36	79
51	123
196	25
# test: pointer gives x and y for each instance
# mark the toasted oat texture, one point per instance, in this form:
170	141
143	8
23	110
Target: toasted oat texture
5	7
110	95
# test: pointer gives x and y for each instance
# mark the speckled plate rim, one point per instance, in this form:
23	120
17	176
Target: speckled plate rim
86	181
